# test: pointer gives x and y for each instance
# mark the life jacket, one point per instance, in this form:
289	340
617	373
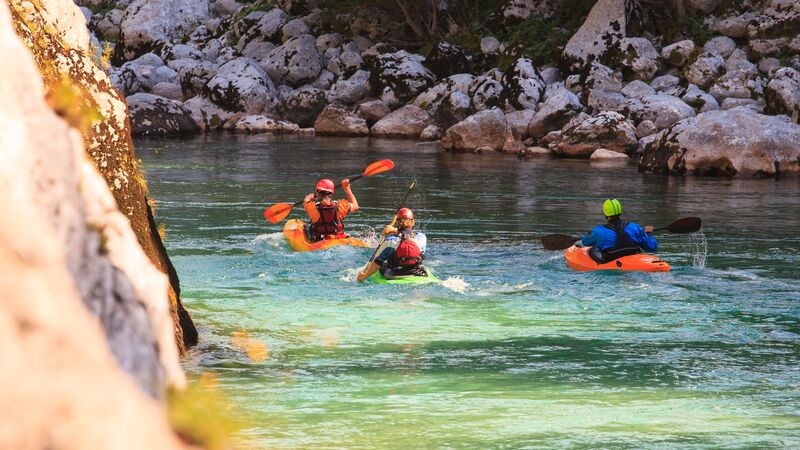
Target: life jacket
407	257
329	224
624	246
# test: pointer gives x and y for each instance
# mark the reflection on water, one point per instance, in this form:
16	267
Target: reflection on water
514	350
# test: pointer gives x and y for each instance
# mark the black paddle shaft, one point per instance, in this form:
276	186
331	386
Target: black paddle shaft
402	203
353	178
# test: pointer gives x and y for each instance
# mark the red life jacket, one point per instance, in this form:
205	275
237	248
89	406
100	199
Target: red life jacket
407	254
328	223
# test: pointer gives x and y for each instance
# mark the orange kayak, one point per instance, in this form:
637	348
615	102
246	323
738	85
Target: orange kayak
578	259
293	230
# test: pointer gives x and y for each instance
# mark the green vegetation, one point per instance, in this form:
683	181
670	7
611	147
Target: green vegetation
200	414
695	29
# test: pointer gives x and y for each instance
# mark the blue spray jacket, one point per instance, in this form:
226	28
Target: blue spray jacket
602	237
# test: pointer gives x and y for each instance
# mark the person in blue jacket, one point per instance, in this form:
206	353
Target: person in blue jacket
618	238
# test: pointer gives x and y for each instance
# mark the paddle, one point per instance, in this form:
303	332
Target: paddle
279	211
394	220
680	226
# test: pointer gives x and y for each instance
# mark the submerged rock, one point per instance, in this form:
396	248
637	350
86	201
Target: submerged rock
736	142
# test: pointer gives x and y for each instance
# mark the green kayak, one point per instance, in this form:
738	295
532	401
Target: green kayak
410	279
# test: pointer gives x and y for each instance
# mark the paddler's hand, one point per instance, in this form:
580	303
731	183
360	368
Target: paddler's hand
308	198
648	229
346	184
388	229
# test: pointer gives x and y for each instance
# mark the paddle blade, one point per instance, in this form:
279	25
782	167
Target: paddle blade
558	241
685	225
377	167
278	212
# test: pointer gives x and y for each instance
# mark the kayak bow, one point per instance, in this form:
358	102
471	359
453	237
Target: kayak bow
295	235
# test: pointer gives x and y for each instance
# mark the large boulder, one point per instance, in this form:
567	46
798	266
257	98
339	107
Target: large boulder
372	111
337	121
406	122
483	129
259	26
453	109
663	110
242	86
736	142
556	111
447	59
143	73
303	105
433	96
608	130
637	58
605	25
519	10
154	115
295	63
519	121
487	94
399	77
705	69
350	90
700	100
738	84
148	25
774	28
258	124
678	54
523	86
194	75
783	93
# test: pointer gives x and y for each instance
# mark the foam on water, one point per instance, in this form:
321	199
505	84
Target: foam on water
456	284
699	249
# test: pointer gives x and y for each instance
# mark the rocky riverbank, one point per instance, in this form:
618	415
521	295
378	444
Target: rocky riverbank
625	81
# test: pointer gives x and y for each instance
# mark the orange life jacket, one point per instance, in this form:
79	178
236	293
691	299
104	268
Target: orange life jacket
328	223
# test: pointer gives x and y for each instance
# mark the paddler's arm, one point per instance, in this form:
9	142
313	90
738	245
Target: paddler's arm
309	205
367	273
350	197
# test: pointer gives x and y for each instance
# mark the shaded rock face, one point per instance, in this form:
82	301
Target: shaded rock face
608	130
372	111
637	58
241	86
154	115
523	86
150	24
735	142
263	124
303	106
408	121
337	121
604	26
705	69
484	129
783	93
556	111
447	59
108	142
678	54
399	76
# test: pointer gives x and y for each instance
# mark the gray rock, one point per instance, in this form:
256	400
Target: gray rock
737	142
242	86
738	84
638	89
551	75
431	133
407	122
258	124
490	45
303	105
257	49
518	10
605	25
108	27
447	59
678	54
261	27
193	76
746	103
700	100
599	100
738	61
574	84
518	121
665	83
556	111
324	81
523	86
488	94
783	93
330	40
180	51
296	62
154	115
372	111
141	74
351	90
721	45
337	121
705	69
663	110
734	27
602	77
454	108
646	128
294	28
607	130
207	115
769	65
635	57
168	90
433	96
486	128
148	25
399	76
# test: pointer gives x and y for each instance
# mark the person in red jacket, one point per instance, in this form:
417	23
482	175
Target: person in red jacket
325	213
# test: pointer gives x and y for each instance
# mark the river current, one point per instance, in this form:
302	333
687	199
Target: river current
514	350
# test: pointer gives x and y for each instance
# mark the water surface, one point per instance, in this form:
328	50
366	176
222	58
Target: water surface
515	350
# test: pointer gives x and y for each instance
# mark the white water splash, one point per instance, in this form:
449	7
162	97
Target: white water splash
270	237
350	275
456	284
699	249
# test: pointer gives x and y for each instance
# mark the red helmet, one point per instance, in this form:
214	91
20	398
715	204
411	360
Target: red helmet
325	185
405	213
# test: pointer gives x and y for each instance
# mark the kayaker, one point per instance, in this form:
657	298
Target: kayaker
618	238
404	252
325	213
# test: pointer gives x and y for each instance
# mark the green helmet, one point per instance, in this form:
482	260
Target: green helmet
612	207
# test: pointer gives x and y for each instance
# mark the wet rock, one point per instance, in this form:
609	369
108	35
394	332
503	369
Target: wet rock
637	89
513	146
296	62
351	90
372	111
258	124
556	111
605	25
337	121
447	59
635	57
737	142
721	45
148	25
399	76
242	86
154	115
663	110
407	122
602	154
523	86
738	84
782	93
518	121
678	54
431	133
536	152
303	105
483	129
607	130
705	69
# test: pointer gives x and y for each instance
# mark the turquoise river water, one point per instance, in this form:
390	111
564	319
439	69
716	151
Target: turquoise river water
514	350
